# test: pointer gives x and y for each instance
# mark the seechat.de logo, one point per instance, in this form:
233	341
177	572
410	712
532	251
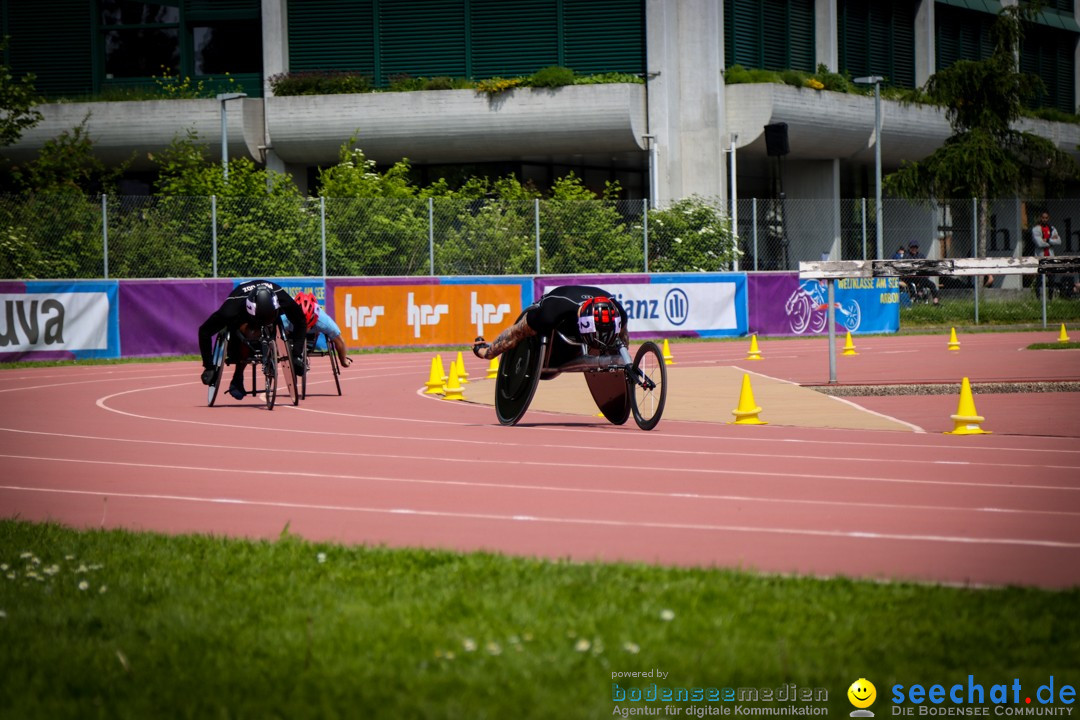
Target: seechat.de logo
862	695
676	306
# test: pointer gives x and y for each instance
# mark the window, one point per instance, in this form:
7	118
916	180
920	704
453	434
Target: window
140	39
226	47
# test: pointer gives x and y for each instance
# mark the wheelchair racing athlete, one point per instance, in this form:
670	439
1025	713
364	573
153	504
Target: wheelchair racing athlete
581	313
319	321
247	309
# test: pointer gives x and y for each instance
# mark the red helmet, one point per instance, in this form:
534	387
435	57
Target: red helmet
599	323
310	305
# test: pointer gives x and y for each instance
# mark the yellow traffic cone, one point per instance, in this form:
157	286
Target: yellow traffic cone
1064	336
668	359
442	370
966	419
434	384
747	412
463	374
755	354
453	385
954	344
493	369
849	347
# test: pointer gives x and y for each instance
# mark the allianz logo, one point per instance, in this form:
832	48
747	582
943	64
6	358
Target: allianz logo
486	313
675	307
361	316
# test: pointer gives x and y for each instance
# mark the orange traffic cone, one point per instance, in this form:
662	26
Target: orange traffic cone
747	412
453	385
966	419
668	359
954	344
755	354
1064	336
434	384
849	347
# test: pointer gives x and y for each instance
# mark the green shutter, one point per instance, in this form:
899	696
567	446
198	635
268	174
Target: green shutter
1048	54
331	35
961	35
878	38
421	44
56	45
512	38
604	36
222	10
770	34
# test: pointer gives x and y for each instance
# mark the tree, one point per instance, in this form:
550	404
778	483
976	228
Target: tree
986	156
17	100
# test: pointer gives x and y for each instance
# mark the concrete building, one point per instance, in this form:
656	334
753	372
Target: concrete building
671	136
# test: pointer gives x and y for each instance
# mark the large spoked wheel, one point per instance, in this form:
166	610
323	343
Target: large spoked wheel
307	369
289	372
270	361
648	386
519	374
334	365
221	342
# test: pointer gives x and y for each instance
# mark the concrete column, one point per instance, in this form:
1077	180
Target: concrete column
925	45
826	41
275	55
684	44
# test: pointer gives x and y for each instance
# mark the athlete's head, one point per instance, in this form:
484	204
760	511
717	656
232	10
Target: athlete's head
262	304
599	323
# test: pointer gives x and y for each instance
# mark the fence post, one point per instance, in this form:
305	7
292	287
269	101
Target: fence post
975	252
105	234
753	212
431	233
322	232
213	233
864	227
536	220
645	231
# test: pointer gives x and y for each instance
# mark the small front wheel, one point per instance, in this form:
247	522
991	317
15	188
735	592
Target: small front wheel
647	381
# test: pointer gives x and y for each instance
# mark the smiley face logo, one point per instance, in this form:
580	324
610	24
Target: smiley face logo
862	693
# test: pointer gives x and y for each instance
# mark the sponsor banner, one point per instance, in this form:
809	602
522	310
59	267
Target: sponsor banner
781	304
706	305
162	317
51	320
424	313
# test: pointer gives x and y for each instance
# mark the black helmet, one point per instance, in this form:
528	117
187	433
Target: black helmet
263	305
599	323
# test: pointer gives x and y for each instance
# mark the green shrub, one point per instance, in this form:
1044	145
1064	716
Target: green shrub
551	77
320	83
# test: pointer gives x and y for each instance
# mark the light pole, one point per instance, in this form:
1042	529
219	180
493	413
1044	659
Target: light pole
876	81
223	98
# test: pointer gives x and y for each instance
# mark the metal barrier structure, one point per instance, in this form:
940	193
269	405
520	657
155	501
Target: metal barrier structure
831	271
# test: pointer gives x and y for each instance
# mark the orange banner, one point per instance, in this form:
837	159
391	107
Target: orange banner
399	315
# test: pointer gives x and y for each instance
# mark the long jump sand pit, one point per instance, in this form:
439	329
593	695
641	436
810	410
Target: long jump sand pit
710	394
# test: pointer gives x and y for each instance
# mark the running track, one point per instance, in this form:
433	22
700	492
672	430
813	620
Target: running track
135	446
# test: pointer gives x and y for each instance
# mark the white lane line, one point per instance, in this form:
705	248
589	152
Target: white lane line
583	490
855	535
635	447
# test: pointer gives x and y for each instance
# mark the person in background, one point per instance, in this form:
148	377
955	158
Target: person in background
916	283
1045	238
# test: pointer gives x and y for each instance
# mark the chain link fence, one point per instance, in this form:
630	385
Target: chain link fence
75	236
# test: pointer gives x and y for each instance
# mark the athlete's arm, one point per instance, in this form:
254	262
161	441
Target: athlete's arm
506	340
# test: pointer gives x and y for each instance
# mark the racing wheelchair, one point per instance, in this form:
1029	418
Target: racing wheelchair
267	350
313	349
618	384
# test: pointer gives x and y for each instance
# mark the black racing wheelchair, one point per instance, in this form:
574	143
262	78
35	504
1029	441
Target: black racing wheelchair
618	384
313	349
268	350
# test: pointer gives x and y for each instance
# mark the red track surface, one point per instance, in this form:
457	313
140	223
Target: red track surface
135	446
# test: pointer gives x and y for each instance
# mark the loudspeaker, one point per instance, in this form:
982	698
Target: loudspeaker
776	142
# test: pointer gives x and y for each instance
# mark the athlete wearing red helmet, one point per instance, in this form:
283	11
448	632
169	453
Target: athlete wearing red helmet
310	305
580	312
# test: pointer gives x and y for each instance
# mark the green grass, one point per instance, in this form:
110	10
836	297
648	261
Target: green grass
1055	346
204	627
1014	312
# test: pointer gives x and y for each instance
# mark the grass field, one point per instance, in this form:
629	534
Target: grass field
124	625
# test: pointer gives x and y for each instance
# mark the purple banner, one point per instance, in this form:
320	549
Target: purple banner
781	304
767	296
162	317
